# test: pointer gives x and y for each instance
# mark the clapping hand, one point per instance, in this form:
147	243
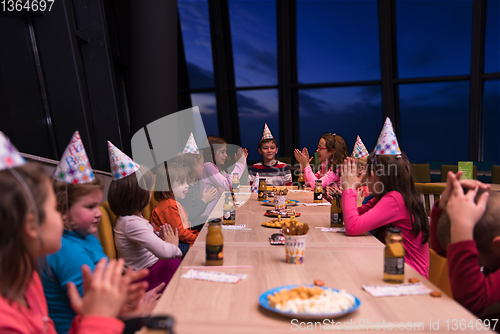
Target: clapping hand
302	157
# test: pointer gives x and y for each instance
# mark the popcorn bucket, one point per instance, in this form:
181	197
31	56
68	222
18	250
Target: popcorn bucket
294	248
280	202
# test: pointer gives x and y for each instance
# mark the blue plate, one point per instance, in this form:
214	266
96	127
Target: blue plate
264	302
291	202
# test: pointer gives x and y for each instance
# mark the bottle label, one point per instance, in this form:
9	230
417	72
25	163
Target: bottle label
229	214
214	253
394	266
336	218
318	196
262	194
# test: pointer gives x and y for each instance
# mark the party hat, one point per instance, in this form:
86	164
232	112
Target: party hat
74	166
9	155
267	133
121	164
255	185
191	146
387	143
359	150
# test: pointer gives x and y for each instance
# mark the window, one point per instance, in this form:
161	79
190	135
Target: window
253	32
337	41
492	37
208	110
346	111
491	107
195	27
433	37
256	107
435	121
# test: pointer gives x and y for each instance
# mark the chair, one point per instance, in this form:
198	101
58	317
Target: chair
421	172
429	193
454	168
105	229
495	174
438	272
287	160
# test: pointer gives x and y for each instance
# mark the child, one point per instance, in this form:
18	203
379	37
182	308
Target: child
275	172
135	240
31	228
332	149
171	184
195	201
78	202
396	201
471	226
214	174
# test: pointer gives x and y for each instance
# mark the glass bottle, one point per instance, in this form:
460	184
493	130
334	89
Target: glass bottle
394	256
262	189
229	212
236	182
214	244
336	215
318	192
301	181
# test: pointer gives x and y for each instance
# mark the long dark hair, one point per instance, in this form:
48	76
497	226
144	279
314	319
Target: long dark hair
395	175
338	147
16	260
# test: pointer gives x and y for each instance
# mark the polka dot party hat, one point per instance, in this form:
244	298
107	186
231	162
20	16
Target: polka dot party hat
74	166
121	164
387	143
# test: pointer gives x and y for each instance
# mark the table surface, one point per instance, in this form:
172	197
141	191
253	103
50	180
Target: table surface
342	262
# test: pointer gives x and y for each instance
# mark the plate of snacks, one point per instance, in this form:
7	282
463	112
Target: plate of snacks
289	202
308	301
283	213
275	223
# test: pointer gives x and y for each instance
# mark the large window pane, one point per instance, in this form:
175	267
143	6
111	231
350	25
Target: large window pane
491	105
337	41
435	121
253	32
347	111
433	37
208	110
492	38
197	44
255	108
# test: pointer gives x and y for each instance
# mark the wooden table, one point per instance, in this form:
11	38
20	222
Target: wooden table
494	186
341	262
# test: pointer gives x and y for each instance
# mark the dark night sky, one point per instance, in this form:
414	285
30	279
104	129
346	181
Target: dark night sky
337	41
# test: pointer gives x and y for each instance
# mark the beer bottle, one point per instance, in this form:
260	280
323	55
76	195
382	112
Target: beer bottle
214	245
229	212
318	192
262	189
236	182
394	257
300	180
336	215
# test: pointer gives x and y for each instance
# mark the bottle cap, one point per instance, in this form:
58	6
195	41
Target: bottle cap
393	230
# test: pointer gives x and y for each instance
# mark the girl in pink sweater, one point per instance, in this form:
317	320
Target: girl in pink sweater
396	203
214	173
30	228
332	150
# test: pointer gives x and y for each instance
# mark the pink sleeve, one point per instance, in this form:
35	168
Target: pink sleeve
329	178
470	287
387	210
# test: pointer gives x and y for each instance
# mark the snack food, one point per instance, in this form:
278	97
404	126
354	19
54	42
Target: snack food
413	280
283	213
311	300
436	294
319	282
277	223
294	227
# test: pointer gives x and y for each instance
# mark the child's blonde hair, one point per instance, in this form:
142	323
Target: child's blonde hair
68	194
17	261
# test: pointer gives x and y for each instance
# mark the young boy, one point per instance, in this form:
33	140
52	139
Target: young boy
473	233
275	172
